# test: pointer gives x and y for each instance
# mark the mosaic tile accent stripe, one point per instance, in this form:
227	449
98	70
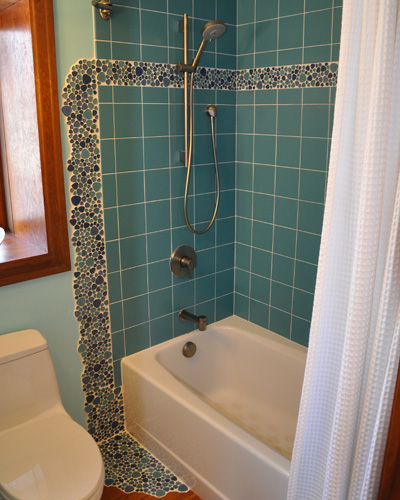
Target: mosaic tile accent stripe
103	402
288	77
132	468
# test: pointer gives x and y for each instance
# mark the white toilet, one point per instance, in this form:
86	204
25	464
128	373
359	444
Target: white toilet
44	454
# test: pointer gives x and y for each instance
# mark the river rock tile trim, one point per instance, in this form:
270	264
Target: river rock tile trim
287	77
103	401
132	468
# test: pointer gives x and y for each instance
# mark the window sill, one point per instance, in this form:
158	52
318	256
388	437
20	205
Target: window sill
22	261
15	248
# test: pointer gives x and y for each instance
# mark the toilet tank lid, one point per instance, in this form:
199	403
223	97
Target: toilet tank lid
19	344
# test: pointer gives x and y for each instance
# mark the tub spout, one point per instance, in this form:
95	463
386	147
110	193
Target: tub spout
185	315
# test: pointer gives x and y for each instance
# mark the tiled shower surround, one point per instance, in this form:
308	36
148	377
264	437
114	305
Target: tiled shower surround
259	259
273	135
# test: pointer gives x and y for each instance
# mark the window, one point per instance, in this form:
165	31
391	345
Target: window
32	201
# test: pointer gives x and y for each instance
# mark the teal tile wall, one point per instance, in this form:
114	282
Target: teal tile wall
282	32
283	143
259	259
147	30
143	184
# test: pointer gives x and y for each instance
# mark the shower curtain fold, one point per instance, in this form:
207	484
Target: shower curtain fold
355	338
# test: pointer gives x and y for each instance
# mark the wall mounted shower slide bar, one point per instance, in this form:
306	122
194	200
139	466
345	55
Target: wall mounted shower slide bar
210	31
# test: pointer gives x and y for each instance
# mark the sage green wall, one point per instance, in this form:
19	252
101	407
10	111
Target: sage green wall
46	304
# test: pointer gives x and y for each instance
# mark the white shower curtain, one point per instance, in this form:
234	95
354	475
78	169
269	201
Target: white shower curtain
354	341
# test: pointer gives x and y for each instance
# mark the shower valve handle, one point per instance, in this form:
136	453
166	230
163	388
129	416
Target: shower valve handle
183	261
189	264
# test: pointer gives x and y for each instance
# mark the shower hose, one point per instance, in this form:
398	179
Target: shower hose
189	165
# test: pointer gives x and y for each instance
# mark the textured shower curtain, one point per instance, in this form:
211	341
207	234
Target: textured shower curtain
354	341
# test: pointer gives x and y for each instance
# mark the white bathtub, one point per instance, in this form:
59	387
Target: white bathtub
224	420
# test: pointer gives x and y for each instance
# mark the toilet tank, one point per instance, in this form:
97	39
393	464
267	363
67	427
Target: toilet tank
28	384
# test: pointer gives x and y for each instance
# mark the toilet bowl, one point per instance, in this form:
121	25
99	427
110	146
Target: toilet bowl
44	454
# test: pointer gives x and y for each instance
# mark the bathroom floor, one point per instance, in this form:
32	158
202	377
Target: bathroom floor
112	493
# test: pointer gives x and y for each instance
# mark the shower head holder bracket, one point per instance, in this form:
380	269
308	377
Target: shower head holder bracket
105	8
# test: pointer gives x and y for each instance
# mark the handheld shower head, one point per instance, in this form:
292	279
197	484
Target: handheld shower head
210	31
213	30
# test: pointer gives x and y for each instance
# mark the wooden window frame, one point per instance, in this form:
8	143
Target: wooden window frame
19	259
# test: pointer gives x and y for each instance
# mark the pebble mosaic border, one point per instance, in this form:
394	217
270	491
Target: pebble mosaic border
132	468
103	401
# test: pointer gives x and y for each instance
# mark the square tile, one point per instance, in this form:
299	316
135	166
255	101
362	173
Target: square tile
303	304
128	120
291	32
161	329
265	119
137	338
131	219
289	7
242	282
243	256
159	245
267	10
264	179
288	151
283	269
318	28
160	302
129	154
130	188
312	186
300	331
314	154
289	119
308	247
281	296
311	217
263	207
224	283
280	322
133	251
259	313
262	235
159	275
261	262
157	184
136	311
205	288
158	215
134	281
306	275
264	149
154	28
286	212
224	305
266	35
285	241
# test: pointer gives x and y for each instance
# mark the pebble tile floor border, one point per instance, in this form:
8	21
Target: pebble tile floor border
132	468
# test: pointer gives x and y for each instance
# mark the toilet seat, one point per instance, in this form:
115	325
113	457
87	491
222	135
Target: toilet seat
50	458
